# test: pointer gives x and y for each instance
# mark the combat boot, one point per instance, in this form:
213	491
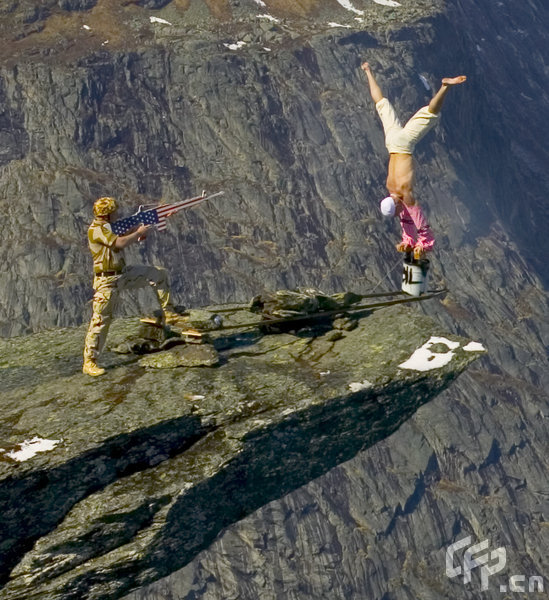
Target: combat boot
171	317
91	368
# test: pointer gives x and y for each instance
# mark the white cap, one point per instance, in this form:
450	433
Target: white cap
387	207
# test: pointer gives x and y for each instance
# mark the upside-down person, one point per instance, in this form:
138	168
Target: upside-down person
111	276
400	142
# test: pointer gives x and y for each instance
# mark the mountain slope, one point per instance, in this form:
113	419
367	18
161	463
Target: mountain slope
285	125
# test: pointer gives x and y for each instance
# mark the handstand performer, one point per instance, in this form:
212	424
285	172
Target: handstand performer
400	142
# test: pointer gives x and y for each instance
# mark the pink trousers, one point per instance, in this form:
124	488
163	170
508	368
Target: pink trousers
414	224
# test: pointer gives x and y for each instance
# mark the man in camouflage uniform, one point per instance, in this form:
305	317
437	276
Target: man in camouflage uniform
111	276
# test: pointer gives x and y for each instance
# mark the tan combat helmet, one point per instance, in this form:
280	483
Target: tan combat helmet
104	206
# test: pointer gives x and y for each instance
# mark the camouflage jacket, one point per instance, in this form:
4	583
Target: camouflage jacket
101	241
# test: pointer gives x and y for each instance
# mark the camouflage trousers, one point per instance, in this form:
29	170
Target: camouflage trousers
107	291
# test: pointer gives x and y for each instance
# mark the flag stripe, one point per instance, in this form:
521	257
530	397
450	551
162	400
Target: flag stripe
179	205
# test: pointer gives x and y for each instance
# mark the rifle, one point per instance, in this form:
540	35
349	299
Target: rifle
157	215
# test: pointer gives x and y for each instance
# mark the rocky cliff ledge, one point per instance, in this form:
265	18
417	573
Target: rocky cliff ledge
111	483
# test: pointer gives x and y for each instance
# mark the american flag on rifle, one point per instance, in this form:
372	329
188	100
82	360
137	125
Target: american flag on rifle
157	215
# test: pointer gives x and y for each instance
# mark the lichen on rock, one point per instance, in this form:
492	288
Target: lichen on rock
191	355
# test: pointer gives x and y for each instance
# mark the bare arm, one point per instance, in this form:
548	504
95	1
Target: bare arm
125	240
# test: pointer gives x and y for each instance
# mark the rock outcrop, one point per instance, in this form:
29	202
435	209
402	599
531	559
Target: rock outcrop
113	483
96	98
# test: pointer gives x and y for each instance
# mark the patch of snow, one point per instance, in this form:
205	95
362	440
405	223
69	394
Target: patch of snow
261	3
267	49
87	27
423	359
323	373
105	42
157	20
425	83
347	4
474	347
359	386
235	46
29	448
332	24
269	17
388	2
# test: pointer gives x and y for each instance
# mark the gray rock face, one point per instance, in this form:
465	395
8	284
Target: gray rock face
163	120
14	141
144	111
147	467
77	4
154	4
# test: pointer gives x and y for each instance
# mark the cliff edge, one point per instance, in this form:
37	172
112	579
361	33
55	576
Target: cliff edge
111	483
